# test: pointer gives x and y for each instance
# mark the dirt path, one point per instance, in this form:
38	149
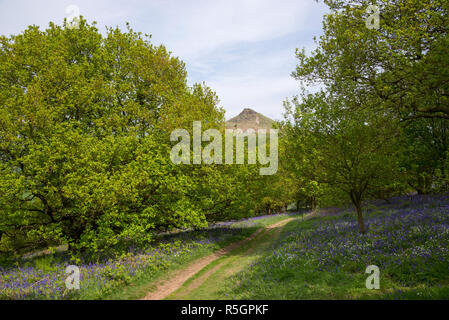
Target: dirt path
167	287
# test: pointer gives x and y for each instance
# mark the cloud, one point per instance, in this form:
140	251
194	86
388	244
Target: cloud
16	15
198	27
243	49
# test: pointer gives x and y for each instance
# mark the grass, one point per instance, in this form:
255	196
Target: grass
146	282
326	258
207	283
121	276
321	257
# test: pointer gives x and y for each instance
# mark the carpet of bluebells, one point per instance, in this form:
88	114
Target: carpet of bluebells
44	277
408	239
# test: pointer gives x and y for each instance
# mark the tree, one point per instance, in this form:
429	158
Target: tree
404	62
295	162
354	152
425	151
85	122
397	71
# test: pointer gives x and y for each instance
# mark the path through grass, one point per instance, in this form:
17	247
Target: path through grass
207	283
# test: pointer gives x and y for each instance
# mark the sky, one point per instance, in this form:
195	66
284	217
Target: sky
243	49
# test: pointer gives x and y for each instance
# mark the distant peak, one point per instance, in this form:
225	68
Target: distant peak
249	119
248	111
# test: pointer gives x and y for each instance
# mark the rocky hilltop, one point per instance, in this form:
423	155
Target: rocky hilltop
249	119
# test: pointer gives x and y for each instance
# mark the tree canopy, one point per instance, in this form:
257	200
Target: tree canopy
84	150
377	127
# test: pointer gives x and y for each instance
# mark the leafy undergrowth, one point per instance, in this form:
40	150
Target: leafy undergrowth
326	257
44	277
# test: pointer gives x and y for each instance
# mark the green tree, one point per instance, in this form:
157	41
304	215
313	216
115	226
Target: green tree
399	69
85	121
404	62
353	152
425	151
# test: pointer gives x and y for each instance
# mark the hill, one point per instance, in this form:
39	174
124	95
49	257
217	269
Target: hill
249	119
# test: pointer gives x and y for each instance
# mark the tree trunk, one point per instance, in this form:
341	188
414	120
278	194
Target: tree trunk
313	203
424	184
357	201
358	208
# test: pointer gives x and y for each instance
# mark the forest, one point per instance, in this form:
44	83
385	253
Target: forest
86	120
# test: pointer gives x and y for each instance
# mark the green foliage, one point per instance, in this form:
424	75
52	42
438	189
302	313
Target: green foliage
404	62
378	128
425	154
354	152
84	149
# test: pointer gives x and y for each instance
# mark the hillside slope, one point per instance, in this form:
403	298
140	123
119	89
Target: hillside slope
249	119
